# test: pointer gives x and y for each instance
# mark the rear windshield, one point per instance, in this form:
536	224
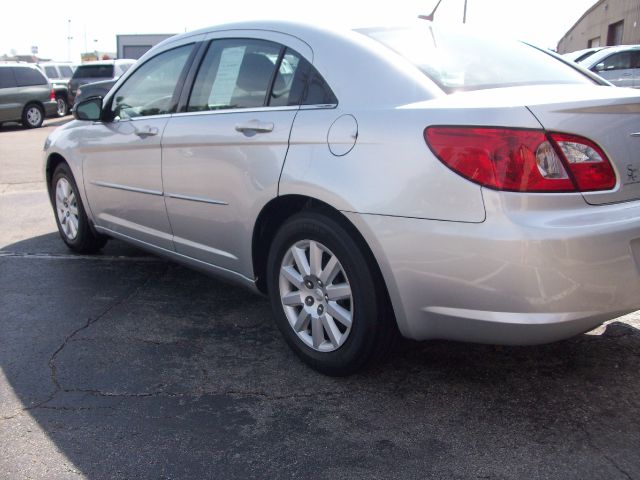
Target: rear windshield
459	61
94	71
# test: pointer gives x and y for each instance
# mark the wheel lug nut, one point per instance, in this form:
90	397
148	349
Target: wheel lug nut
320	309
308	301
308	284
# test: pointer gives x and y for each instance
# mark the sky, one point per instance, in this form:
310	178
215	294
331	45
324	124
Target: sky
93	25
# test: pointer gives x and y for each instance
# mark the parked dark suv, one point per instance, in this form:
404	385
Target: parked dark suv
25	95
95	72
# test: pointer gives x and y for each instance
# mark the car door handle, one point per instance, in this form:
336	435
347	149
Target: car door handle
627	74
254	126
146	132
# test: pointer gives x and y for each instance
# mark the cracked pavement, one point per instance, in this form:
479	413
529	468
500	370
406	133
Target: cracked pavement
124	365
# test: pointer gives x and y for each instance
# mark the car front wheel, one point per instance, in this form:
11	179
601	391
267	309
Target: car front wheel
327	301
70	214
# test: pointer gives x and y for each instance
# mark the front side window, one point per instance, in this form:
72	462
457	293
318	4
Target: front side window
27	77
7	80
617	61
234	74
151	89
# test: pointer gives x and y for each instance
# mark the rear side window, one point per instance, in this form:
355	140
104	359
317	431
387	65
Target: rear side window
7	80
51	72
234	74
66	72
460	60
299	83
94	71
27	77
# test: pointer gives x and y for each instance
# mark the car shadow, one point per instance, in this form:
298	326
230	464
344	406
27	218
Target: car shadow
52	122
137	367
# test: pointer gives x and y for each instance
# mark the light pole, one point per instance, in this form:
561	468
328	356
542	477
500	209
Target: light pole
69	38
464	15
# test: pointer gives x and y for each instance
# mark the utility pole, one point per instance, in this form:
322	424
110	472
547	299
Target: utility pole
69	38
464	15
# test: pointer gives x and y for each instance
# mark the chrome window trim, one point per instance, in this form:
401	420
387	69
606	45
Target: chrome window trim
256	110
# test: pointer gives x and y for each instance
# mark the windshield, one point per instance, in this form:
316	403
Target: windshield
94	71
459	61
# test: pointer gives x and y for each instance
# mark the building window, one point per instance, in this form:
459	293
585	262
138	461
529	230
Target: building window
614	35
593	43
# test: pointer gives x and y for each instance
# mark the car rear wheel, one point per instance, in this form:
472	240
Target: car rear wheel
326	299
32	116
62	107
70	214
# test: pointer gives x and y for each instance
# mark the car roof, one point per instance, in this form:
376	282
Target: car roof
604	53
19	64
108	62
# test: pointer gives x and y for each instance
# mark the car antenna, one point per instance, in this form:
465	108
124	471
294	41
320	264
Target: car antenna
432	14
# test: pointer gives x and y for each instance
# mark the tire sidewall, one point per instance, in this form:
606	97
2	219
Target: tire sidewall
63	171
356	350
66	106
25	122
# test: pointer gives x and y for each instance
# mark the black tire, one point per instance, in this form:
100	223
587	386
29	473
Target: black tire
86	240
62	108
373	328
32	116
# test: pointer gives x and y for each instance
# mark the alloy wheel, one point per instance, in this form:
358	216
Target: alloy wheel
316	295
34	116
67	208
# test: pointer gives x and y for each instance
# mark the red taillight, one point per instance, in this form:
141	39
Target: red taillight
52	96
587	162
522	160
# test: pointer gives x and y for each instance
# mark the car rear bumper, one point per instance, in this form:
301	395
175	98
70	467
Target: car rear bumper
50	109
524	276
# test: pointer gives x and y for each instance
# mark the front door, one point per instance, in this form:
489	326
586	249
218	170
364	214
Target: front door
122	155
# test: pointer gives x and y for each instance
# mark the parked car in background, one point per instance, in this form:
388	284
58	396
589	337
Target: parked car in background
92	72
26	95
96	89
619	65
580	55
59	75
471	189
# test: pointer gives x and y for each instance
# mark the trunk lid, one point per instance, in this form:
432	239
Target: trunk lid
610	117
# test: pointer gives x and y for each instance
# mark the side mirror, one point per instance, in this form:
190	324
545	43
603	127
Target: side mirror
599	67
89	109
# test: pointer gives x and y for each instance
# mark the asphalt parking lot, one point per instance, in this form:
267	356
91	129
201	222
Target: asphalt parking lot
123	365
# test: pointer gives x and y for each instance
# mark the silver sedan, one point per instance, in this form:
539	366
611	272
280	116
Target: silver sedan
409	180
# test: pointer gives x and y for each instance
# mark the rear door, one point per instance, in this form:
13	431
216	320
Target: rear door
608	116
222	157
10	106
